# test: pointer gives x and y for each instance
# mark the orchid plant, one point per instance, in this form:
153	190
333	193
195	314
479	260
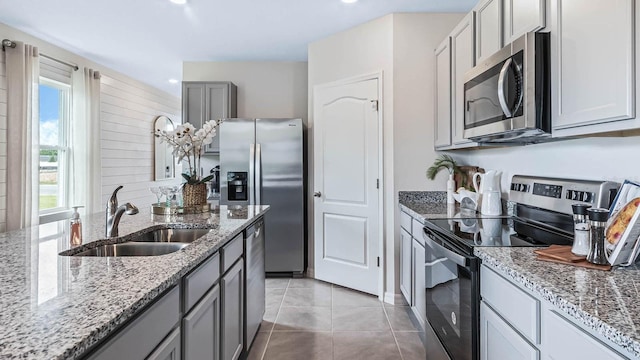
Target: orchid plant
189	143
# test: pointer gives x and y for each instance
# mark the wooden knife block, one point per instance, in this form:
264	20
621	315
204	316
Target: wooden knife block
466	178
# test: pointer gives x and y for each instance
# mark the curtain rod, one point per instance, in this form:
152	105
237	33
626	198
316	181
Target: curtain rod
12	44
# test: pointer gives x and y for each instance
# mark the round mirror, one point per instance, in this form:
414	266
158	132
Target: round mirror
164	164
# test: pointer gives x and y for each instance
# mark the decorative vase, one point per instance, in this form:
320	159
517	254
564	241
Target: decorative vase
450	189
193	195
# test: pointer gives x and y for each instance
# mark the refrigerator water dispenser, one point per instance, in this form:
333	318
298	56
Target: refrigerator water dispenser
237	185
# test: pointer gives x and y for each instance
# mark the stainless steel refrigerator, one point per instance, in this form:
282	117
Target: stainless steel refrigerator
262	162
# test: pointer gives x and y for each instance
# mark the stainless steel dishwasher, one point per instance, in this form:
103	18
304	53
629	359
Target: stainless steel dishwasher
254	280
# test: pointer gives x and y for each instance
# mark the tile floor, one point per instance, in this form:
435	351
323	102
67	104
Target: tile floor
307	319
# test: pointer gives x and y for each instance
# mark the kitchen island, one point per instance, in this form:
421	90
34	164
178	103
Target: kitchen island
58	307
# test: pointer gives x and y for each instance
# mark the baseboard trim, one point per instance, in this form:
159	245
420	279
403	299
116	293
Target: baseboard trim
393	298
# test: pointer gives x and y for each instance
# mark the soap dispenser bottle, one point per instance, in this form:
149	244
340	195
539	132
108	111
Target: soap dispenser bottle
76	227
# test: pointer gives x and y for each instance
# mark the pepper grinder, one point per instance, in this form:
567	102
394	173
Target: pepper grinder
597	222
580	230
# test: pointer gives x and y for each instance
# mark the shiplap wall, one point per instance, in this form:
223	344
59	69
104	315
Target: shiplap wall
3	146
127	111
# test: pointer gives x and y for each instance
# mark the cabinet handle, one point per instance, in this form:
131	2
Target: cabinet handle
317	194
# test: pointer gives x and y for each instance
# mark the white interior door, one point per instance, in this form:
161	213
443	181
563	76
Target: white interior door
346	172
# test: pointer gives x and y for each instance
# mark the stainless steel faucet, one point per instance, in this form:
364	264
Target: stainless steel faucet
114	213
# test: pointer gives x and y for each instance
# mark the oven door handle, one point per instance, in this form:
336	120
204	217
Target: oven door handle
456	258
501	97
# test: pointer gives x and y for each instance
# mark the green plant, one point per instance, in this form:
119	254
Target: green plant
442	162
447	162
194	180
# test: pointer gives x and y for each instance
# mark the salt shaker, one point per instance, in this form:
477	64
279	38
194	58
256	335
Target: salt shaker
597	223
580	230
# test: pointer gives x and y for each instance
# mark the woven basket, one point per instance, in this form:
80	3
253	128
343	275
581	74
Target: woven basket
194	194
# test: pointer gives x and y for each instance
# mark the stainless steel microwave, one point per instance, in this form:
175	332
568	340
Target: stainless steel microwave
507	97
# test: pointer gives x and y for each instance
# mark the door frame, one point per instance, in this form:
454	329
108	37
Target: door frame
378	75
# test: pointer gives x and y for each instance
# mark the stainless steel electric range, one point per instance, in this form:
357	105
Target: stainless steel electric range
542	216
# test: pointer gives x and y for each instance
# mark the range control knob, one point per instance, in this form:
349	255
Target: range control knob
577	195
568	196
588	197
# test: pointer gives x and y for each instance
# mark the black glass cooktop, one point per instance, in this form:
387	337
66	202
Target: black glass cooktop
472	232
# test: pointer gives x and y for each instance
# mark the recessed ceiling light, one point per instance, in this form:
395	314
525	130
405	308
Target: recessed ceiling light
179	2
349	1
173	81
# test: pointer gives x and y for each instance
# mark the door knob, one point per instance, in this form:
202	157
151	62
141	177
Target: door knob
317	194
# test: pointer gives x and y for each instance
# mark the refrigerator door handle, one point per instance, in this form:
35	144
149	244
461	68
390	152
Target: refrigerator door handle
251	173
258	180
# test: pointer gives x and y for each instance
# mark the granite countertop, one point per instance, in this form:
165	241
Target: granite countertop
56	307
605	301
426	205
423	205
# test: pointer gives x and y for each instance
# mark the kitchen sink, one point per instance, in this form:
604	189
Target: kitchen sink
171	236
133	248
151	243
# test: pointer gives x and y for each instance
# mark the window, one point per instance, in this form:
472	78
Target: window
54	112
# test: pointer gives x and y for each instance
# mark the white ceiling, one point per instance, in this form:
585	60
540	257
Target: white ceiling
149	39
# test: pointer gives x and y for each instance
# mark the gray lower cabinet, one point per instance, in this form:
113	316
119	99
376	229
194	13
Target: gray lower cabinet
146	334
418	296
169	349
498	340
201	328
405	265
232	293
201	318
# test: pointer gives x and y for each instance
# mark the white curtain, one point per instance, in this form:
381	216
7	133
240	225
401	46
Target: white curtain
22	136
85	131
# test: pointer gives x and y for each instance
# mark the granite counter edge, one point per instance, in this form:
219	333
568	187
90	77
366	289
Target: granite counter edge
412	213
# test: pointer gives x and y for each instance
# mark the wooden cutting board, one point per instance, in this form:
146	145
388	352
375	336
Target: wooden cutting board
562	254
465	177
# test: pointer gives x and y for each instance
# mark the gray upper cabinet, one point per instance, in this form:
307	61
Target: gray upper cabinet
204	101
593	66
522	16
488	26
443	95
232	288
201	328
462	60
